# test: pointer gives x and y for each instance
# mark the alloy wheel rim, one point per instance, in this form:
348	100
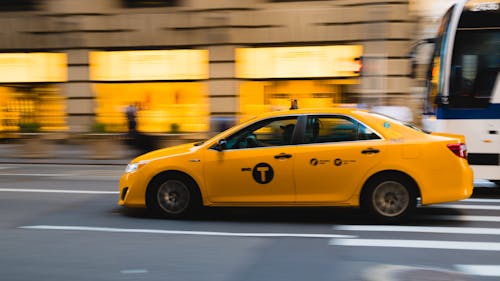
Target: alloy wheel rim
173	196
391	198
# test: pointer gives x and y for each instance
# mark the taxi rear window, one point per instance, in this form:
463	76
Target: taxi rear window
321	129
393	120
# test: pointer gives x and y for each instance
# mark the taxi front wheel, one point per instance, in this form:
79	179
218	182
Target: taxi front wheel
173	196
390	198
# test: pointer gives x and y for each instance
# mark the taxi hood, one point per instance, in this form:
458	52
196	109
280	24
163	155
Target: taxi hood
167	152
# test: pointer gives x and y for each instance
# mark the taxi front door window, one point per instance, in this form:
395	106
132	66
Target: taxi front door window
273	132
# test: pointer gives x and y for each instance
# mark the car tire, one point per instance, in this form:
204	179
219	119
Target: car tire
174	196
390	198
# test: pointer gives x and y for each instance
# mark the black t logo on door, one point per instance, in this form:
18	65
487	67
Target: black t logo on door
263	173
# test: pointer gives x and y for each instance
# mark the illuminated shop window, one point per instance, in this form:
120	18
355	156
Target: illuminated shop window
30	98
258	97
313	75
161	107
340	61
40	108
163	85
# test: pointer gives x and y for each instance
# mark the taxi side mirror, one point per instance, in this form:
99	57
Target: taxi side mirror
221	145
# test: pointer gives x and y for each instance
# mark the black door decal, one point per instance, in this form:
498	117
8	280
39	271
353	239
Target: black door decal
263	173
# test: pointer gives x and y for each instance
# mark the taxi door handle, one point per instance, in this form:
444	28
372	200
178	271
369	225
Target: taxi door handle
370	151
283	156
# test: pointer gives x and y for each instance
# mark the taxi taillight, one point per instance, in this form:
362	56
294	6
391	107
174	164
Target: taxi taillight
459	149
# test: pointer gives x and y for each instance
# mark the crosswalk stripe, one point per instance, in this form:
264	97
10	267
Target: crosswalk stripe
417	244
480	270
420	229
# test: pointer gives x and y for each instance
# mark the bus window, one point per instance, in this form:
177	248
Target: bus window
476	60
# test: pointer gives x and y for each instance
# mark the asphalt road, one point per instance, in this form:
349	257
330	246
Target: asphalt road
62	222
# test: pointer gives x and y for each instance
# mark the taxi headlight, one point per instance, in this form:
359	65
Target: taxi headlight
133	167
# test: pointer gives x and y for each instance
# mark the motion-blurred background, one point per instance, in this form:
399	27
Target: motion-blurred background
72	67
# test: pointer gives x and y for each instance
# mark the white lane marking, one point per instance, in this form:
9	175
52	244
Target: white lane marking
417	244
200	233
77	176
420	229
57	191
468	207
463	218
134	271
389	272
481	270
33	175
481	200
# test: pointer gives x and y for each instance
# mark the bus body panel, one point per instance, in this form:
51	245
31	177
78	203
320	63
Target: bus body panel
463	82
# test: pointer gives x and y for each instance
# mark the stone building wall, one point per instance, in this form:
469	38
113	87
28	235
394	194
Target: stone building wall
386	30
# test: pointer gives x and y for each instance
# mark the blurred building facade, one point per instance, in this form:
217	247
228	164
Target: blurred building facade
209	87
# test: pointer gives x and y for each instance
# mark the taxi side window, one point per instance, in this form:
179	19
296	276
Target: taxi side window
266	133
335	129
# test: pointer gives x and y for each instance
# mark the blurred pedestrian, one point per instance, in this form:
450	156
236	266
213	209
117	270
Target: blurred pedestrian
139	141
131	113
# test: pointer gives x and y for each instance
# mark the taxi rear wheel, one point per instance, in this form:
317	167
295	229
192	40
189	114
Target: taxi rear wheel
390	198
173	196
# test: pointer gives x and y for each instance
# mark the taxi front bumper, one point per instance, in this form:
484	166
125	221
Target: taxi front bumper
132	191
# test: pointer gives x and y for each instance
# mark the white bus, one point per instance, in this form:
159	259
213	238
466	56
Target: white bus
463	82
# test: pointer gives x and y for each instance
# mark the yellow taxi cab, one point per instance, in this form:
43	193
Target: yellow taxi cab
304	157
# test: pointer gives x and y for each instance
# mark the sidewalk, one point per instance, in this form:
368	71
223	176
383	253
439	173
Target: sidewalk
89	149
16	152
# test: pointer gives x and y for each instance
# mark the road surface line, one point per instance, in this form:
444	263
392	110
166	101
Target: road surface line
420	229
462	218
134	271
26	190
199	233
33	175
481	200
466	207
389	272
417	244
481	270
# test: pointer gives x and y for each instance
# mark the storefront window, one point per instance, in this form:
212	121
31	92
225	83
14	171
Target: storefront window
28	108
164	86
30	97
313	75
257	97
161	107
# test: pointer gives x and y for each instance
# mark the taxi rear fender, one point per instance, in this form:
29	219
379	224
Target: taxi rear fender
388	174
